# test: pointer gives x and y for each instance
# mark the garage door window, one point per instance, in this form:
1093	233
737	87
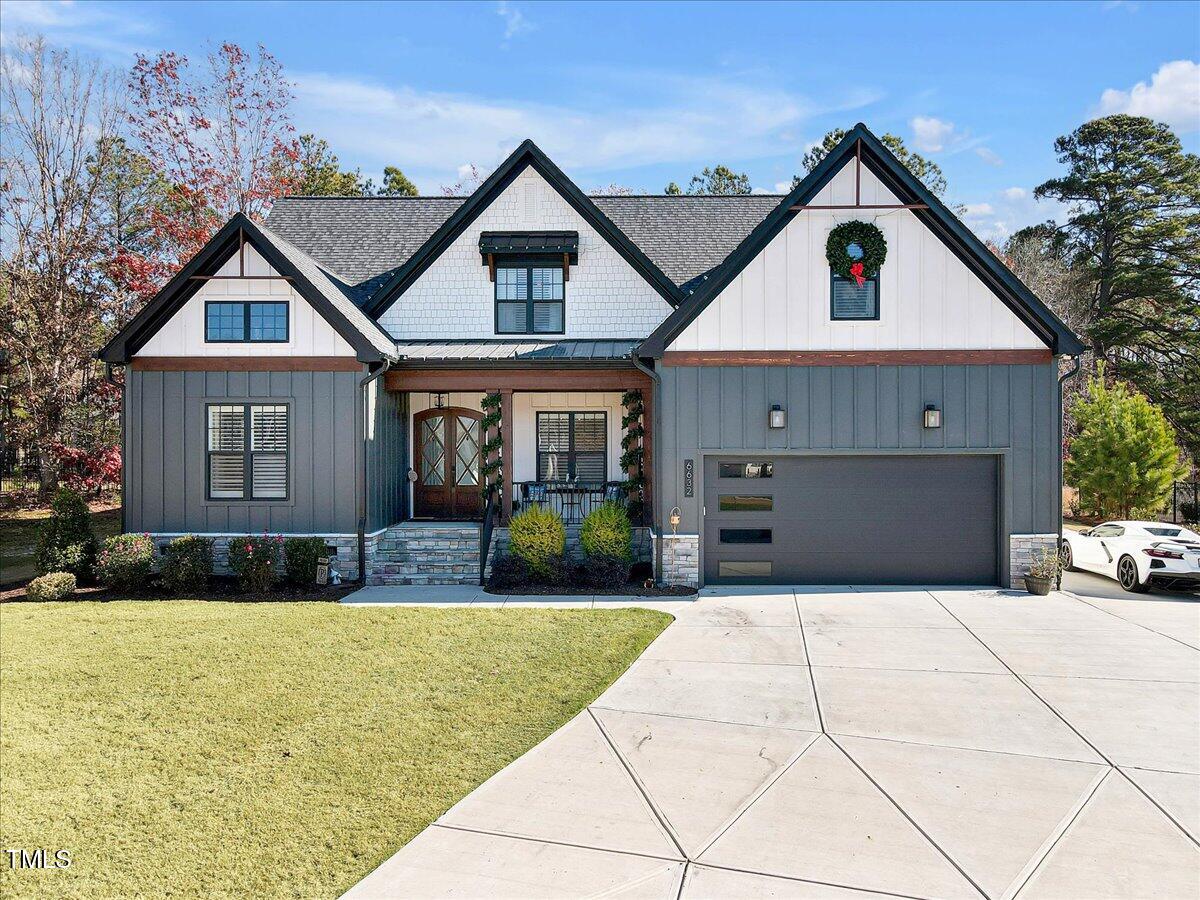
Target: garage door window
743	503
745	470
729	568
745	535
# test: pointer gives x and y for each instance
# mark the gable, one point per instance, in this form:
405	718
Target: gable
453	296
183	334
929	299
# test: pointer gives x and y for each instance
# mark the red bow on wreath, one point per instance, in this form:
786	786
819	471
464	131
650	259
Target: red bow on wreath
857	271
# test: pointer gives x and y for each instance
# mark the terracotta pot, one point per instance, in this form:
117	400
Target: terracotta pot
1039	586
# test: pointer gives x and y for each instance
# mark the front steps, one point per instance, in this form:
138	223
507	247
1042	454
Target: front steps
426	553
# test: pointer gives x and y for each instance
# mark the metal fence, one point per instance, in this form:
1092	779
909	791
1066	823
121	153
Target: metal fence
1185	503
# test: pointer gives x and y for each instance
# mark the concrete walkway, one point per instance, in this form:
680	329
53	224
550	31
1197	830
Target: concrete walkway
469	595
854	743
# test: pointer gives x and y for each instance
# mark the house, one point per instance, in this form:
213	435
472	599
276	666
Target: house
392	372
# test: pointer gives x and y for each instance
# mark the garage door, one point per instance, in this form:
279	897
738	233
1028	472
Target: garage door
850	519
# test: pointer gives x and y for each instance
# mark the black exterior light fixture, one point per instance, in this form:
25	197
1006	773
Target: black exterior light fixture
777	417
438	401
933	416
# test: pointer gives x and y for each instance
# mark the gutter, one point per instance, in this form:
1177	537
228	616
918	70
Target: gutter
656	493
1062	380
363	384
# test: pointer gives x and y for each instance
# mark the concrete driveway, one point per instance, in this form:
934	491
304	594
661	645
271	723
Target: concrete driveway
853	743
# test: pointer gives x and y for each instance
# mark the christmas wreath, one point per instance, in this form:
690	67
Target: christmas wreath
856	250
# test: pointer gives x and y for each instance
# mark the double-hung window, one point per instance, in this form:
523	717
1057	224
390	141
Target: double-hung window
247	451
572	446
245	322
530	300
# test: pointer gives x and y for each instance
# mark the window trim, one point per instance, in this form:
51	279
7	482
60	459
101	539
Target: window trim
247	453
571	451
528	264
245	304
834	278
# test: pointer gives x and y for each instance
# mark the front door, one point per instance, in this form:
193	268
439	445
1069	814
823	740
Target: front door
447	456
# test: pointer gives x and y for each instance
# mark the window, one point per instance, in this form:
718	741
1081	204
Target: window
850	303
745	535
529	300
245	322
572	446
1108	531
736	503
241	469
745	470
743	569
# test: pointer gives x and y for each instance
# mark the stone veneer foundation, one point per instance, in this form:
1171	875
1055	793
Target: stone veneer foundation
345	544
1021	550
681	559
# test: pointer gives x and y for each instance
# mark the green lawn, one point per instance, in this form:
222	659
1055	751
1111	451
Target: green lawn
269	750
19	536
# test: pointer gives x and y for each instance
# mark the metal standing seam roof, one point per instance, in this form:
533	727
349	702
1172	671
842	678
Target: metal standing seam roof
499	351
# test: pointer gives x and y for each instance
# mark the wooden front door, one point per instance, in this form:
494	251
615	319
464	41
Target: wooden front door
447	457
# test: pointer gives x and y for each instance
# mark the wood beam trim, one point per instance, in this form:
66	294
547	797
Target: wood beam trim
855	357
515	380
506	454
246	364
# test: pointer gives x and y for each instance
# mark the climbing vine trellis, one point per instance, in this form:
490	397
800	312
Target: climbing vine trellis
633	452
493	446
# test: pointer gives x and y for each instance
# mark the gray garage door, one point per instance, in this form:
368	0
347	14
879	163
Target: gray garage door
850	519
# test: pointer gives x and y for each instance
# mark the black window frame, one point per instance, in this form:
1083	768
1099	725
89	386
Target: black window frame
247	453
528	263
246	304
834	278
571	451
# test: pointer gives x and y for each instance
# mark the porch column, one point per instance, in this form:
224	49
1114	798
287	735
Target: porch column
506	455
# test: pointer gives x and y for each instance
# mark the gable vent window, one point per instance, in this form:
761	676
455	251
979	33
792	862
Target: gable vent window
245	322
850	303
247	451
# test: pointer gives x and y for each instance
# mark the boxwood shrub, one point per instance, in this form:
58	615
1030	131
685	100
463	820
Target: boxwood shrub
300	558
537	535
66	542
51	586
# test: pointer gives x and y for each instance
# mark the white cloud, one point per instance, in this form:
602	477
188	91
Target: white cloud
680	120
989	156
930	134
976	210
1015	193
109	31
1172	96
515	22
783	187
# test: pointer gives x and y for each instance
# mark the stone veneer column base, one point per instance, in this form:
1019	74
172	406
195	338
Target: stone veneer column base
681	560
346	544
1021	550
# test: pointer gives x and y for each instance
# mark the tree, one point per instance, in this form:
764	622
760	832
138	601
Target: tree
720	180
219	135
1124	458
396	184
925	170
1134	235
469	180
60	120
317	172
673	190
611	190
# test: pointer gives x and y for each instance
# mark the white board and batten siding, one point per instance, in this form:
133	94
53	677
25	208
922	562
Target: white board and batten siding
308	332
454	298
928	300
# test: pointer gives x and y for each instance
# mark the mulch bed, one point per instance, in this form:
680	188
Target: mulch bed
219	588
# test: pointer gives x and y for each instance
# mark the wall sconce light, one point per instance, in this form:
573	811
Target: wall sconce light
777	417
674	518
933	416
438	401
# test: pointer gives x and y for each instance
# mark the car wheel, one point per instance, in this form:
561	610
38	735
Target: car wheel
1127	575
1068	560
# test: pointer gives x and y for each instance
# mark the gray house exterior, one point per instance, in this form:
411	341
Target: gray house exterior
331	372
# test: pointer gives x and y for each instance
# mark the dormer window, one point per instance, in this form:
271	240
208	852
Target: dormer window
530	270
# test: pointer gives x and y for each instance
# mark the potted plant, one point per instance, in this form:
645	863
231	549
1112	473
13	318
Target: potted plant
1043	572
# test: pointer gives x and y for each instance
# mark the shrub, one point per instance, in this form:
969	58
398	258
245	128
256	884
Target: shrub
509	571
300	558
600	571
66	543
536	534
558	570
253	559
187	563
606	531
1189	511
125	561
52	586
1124	455
1046	563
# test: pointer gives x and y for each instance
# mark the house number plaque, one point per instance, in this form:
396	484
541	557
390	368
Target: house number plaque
689	478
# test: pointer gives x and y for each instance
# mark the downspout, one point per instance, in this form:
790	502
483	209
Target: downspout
363	384
656	492
1062	380
108	376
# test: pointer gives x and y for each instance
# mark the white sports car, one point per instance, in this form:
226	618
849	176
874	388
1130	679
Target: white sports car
1137	554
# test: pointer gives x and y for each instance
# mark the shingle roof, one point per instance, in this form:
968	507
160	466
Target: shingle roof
496	351
364	239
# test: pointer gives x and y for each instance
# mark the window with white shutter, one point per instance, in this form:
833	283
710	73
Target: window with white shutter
572	446
247	451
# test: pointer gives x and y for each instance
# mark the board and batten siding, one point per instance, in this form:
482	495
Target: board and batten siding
165	445
387	456
453	298
308	332
928	299
838	409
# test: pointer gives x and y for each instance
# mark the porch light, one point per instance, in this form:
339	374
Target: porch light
777	418
438	401
674	518
933	416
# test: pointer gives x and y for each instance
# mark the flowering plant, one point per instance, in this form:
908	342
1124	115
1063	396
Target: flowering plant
254	559
125	560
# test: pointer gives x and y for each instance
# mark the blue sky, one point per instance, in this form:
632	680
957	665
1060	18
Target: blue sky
641	94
